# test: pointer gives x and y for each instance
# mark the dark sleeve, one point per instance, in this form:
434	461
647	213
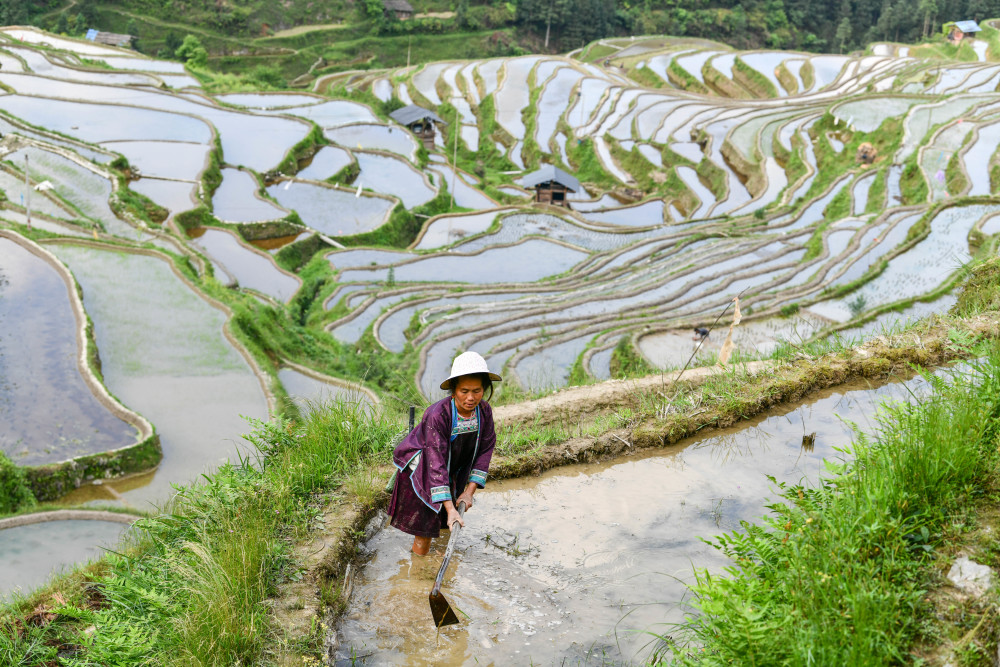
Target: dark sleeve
487	443
436	431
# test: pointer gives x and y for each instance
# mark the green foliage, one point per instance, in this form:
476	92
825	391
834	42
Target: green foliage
836	574
684	79
839	207
194	218
403	225
955	179
587	165
303	150
912	183
626	362
296	255
211	178
571	23
790	309
138	205
876	193
192	52
15	494
981	292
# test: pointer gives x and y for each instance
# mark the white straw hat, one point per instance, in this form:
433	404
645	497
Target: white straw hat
469	363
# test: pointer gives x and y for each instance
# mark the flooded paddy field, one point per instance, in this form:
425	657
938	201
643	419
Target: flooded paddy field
32	554
166	357
579	565
40	369
692	198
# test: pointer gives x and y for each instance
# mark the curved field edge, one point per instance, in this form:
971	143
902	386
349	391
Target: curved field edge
249	567
49	481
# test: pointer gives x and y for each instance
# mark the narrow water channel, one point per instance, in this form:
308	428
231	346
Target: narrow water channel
580	565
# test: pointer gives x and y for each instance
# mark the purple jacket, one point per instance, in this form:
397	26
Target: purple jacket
431	439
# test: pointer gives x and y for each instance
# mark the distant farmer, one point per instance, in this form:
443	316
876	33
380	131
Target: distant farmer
700	334
447	456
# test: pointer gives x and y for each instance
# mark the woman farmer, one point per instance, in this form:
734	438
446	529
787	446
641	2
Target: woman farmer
446	458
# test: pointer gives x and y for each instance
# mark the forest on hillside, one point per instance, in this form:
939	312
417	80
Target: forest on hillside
552	25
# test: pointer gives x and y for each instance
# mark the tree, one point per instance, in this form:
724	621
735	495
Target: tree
192	52
843	32
62	24
928	9
172	42
132	28
13	12
372	9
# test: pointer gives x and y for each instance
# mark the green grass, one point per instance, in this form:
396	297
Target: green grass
756	82
876	193
626	362
912	184
684	79
955	179
837	573
587	165
713	177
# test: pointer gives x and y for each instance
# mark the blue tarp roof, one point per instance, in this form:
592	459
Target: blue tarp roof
968	26
92	34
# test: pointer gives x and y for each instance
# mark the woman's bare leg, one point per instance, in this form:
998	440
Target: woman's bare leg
421	545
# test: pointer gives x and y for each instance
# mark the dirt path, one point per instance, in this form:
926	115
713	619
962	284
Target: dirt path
590	401
303	29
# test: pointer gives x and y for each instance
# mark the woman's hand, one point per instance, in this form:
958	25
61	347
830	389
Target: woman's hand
466	498
453	515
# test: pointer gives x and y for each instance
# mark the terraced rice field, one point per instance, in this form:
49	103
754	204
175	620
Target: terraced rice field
707	173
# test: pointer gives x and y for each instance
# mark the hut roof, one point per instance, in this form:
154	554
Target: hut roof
549	173
109	38
398	6
411	113
968	26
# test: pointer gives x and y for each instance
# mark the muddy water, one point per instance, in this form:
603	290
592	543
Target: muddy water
250	269
575	566
47	413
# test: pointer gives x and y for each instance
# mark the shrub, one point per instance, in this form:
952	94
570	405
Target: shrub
15	495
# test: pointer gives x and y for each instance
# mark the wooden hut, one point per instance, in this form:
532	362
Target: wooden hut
401	9
960	30
551	185
110	38
419	121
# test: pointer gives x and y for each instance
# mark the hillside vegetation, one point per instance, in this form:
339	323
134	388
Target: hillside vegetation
300	37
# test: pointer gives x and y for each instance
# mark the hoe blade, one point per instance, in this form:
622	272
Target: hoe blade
441	610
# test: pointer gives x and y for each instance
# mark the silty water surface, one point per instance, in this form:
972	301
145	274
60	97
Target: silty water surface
32	554
47	413
577	565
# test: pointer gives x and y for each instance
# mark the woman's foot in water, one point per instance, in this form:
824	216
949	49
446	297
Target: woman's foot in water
421	545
